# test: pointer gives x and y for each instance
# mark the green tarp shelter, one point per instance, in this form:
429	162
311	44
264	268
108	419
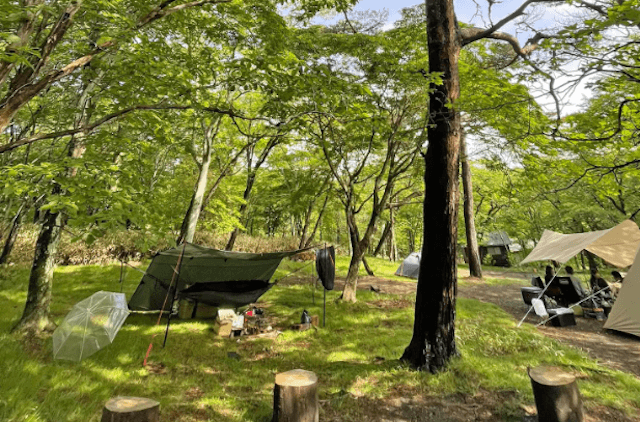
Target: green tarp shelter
210	276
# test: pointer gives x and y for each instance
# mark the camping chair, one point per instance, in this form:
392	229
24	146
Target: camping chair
569	295
537	282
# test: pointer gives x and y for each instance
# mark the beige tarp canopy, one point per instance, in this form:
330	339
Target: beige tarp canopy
625	315
617	245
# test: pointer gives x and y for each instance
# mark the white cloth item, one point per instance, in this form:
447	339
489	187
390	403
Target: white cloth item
538	307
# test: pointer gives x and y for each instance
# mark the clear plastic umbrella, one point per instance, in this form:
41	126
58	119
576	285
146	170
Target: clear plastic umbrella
90	325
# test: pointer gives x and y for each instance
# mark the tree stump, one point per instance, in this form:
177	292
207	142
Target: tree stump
556	395
295	397
131	409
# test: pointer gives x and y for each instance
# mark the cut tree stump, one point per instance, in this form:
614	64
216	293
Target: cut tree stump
295	397
556	394
131	409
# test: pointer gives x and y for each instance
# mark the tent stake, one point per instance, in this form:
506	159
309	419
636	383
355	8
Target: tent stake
324	307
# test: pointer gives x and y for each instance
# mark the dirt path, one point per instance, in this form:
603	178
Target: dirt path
610	348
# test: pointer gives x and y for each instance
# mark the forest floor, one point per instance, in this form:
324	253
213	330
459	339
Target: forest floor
609	348
200	376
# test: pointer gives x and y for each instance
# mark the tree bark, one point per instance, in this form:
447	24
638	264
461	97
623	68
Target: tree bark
393	246
556	394
295	397
16	222
475	268
190	221
131	409
308	241
384	238
433	342
35	317
357	253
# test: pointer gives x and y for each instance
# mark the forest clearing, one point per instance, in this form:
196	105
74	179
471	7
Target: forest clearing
222	147
200	376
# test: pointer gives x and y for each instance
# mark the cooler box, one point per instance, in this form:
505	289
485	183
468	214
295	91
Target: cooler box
565	317
529	293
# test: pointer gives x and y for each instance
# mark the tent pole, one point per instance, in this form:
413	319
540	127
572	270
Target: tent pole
541	294
175	293
121	275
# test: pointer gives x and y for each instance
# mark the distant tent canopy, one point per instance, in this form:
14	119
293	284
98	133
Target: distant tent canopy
617	245
210	276
410	266
499	238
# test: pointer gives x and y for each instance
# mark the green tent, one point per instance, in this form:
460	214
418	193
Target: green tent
210	276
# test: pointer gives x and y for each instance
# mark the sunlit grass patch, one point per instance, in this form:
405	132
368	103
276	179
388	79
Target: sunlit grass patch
199	376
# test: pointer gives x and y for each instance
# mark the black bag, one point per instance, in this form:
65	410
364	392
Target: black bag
326	266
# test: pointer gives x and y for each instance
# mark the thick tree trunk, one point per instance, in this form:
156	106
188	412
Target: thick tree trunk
475	269
433	342
351	282
35	317
357	253
16	222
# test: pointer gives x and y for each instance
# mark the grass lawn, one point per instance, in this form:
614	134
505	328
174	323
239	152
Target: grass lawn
355	357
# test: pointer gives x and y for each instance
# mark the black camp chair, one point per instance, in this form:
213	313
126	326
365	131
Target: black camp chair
569	294
537	282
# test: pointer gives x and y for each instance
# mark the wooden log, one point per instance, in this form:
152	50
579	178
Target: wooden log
301	327
315	320
556	395
131	409
295	397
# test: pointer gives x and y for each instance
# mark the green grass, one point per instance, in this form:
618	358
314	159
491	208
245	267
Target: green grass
197	379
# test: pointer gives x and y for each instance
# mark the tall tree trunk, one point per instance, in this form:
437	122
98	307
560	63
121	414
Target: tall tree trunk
393	246
433	342
357	252
384	238
16	222
190	221
308	241
243	209
35	317
475	269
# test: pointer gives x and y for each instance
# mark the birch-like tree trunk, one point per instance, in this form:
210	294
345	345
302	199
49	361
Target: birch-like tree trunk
475	268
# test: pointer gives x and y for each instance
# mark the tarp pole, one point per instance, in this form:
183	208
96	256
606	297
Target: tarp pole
541	293
121	275
175	292
591	296
324	307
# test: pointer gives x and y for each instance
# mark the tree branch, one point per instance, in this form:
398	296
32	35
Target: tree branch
90	127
